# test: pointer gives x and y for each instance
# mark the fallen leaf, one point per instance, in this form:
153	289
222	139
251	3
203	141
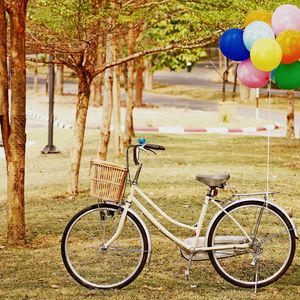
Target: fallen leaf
55	286
160	288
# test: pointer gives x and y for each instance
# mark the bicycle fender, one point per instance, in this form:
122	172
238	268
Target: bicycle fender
147	234
247	199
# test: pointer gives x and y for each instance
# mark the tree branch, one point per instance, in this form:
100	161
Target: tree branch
205	41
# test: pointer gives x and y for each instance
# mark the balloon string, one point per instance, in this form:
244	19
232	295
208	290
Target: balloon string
269	134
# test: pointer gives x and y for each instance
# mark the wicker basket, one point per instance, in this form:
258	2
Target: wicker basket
107	180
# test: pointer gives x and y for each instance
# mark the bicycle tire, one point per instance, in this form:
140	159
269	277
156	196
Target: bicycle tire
273	262
94	268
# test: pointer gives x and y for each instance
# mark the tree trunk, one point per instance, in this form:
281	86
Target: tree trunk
118	142
46	84
107	102
148	75
36	77
139	84
290	131
97	95
84	90
3	70
129	131
13	127
59	80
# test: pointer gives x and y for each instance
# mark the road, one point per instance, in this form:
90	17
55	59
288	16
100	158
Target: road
200	76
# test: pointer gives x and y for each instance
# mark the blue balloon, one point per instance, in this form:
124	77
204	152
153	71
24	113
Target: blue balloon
255	31
232	45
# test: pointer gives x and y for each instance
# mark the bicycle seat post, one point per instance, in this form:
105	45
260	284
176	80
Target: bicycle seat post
212	191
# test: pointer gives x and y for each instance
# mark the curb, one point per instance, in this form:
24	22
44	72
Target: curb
220	130
172	130
56	123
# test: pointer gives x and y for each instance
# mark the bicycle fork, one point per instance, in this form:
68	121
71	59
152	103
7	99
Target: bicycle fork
119	228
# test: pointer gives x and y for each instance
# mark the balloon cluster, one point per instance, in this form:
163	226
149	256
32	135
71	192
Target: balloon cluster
268	46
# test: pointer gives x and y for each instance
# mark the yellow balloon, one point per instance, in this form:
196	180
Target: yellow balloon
259	15
266	54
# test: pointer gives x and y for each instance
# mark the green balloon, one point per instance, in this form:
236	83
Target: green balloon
287	76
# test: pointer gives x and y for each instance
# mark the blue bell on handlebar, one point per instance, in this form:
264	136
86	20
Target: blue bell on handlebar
142	141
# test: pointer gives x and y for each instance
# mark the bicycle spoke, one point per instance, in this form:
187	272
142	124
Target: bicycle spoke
272	244
93	266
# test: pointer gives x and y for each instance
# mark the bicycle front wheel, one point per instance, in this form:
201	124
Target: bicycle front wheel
91	265
273	247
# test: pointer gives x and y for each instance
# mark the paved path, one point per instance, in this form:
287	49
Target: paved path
244	111
200	76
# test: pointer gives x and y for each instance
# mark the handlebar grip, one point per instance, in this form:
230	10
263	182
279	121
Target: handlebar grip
154	147
135	155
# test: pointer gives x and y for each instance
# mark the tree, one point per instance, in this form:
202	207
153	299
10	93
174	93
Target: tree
97	94
148	74
13	114
59	80
71	31
131	41
107	101
139	82
290	131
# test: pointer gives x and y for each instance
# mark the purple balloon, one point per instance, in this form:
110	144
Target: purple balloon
251	76
286	17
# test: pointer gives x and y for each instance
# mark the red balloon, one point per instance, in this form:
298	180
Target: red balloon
289	42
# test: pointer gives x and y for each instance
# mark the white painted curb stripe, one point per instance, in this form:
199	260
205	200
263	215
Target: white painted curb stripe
56	123
217	130
171	130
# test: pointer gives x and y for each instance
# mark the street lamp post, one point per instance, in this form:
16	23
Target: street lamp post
50	148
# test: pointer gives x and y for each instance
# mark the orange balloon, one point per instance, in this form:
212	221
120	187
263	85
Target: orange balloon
259	15
289	42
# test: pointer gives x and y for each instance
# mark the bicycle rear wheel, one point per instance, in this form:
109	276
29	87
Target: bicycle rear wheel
270	256
94	267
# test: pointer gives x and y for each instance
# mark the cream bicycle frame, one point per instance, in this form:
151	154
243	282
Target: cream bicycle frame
132	199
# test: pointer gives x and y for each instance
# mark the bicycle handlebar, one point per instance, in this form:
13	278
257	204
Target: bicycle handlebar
137	148
154	147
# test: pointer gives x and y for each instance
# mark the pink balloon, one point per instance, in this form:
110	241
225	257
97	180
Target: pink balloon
251	76
286	17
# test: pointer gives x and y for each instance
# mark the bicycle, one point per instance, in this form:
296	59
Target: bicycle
250	241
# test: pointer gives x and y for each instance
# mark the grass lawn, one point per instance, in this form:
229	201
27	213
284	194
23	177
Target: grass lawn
37	272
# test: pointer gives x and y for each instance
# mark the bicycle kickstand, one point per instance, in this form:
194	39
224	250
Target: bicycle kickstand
256	276
187	274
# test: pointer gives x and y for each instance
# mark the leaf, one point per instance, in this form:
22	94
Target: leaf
160	288
54	286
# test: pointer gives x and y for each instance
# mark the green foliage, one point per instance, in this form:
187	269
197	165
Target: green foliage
177	59
74	25
71	18
191	20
